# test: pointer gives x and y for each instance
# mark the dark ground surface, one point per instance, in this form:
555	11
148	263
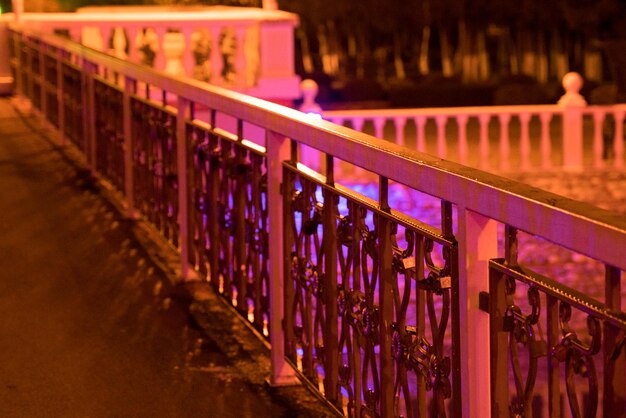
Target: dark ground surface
91	324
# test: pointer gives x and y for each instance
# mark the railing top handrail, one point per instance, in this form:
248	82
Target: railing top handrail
471	111
445	111
232	15
581	227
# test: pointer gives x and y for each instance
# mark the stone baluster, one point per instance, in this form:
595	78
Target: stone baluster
524	119
240	56
420	126
462	137
483	146
106	33
379	127
598	139
505	148
442	148
573	103
618	141
546	140
217	63
188	59
159	59
399	123
132	32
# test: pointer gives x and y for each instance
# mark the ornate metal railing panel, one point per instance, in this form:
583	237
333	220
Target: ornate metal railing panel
154	164
582	337
73	104
377	310
228	218
109	131
370	301
50	78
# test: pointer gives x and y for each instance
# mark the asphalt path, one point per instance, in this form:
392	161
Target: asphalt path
89	325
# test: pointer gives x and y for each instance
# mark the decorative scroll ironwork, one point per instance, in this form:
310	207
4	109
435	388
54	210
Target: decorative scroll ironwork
422	284
521	329
578	358
154	163
566	344
228	223
109	132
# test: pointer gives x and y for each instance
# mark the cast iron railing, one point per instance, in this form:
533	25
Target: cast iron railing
384	311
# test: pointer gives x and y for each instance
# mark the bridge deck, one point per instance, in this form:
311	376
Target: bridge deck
90	325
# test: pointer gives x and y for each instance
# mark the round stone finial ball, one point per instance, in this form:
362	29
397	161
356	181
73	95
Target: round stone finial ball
572	82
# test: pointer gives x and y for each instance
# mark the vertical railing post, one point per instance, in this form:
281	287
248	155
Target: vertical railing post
478	242
43	88
552	339
61	95
573	103
614	362
130	88
182	153
19	65
278	150
329	245
385	256
89	119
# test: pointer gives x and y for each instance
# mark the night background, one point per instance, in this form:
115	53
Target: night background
412	53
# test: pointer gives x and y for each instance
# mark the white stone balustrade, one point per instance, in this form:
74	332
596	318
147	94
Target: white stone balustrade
247	49
569	135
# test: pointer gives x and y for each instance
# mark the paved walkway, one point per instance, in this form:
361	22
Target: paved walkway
90	326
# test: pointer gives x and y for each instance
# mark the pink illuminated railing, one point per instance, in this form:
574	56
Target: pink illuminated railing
570	135
417	298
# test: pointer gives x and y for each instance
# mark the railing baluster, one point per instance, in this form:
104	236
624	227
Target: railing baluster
505	119
132	32
483	120
379	125
184	207
188	59
329	283
60	55
553	336
546	144
524	119
614	361
618	141
240	56
386	304
160	59
420	309
278	203
239	215
89	120
420	125
442	148
216	58
462	137
598	139
400	124
43	81
498	341
478	242
130	87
